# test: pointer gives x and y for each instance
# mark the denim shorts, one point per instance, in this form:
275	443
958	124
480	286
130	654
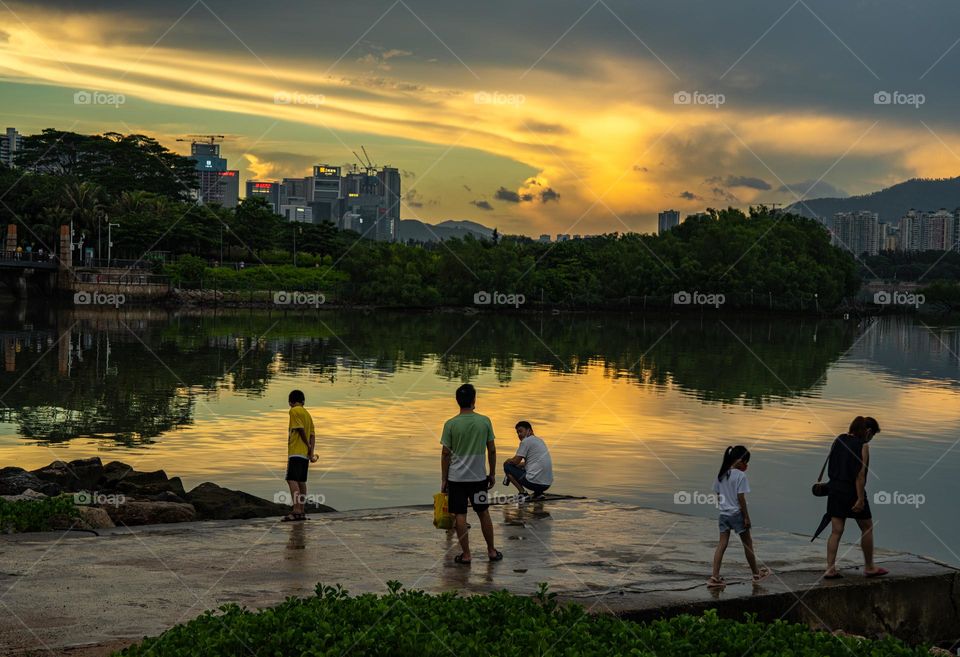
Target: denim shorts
733	521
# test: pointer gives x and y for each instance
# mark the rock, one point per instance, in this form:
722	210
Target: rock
140	512
28	494
81	474
92	517
167	496
153	486
213	502
14	481
113	472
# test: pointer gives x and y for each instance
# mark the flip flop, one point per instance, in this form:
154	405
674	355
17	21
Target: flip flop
497	557
833	576
879	572
716	583
459	559
291	517
762	575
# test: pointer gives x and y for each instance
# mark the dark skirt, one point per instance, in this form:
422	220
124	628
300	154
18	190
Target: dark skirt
840	503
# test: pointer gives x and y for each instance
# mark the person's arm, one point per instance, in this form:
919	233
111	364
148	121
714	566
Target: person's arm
515	460
444	467
742	500
862	479
492	461
311	446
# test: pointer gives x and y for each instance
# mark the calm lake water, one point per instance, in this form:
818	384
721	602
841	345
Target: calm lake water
634	409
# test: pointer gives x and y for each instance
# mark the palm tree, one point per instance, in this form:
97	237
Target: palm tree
85	203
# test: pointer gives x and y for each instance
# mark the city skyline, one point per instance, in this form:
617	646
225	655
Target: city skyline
594	120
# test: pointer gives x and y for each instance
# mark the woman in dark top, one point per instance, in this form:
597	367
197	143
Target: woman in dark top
849	463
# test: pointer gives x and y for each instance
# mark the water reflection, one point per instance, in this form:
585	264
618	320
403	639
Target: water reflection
131	376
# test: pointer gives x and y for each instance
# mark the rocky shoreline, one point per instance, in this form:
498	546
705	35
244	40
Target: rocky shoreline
117	495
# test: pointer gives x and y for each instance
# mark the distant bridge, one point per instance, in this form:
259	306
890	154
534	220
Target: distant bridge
23	260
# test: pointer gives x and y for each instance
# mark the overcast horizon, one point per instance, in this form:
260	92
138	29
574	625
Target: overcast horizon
563	117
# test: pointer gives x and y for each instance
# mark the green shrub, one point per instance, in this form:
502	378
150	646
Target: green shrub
418	624
35	515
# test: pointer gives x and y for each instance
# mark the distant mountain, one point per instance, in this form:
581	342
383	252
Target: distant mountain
890	203
412	229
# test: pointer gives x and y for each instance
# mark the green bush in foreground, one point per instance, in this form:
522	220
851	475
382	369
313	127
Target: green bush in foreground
418	624
35	515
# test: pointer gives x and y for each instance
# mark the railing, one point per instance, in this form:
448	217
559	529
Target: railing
120	279
28	257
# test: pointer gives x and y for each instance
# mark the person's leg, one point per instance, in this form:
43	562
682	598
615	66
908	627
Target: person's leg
866	543
718	554
294	491
303	497
747	541
515	473
462	535
833	545
486	526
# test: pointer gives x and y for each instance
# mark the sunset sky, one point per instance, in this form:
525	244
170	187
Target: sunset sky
534	116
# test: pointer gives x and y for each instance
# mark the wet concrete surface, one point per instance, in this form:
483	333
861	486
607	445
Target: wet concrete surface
73	590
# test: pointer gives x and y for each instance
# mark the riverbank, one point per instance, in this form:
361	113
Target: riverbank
612	558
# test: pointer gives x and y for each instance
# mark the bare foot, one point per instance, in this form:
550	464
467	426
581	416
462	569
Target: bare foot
716	583
761	575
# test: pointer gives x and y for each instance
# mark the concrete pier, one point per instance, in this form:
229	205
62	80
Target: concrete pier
60	591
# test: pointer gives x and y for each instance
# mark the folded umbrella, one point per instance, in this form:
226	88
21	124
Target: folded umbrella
824	521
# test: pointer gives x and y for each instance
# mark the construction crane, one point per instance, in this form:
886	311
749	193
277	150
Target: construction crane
194	139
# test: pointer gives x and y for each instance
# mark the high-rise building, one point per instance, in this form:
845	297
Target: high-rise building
388	220
666	220
326	193
927	231
858	232
267	190
11	142
216	183
544	238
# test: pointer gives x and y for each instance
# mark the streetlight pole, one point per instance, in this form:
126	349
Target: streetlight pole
110	242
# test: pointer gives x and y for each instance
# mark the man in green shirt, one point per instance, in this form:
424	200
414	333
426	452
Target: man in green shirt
466	439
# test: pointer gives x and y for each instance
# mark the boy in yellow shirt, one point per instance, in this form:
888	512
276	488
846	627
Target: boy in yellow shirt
300	445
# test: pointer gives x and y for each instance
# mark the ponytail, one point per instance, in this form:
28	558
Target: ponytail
730	456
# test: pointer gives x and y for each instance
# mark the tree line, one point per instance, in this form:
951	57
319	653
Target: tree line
757	258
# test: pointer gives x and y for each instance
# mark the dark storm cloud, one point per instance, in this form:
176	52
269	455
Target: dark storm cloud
740	181
689	196
504	194
549	194
483	205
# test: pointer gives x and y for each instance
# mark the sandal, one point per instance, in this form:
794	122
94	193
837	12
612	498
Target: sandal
833	576
716	583
460	560
497	557
762	575
290	517
879	572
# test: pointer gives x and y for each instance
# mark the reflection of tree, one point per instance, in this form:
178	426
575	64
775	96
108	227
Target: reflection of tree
133	382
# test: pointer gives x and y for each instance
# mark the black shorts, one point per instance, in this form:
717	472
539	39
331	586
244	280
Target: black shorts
458	492
297	469
840	503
